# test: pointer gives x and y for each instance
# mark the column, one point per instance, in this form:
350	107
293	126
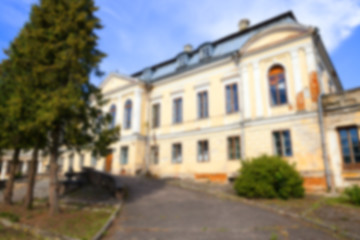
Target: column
136	124
312	66
258	95
296	70
245	92
310	58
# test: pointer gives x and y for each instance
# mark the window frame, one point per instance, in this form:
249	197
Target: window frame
206	52
353	164
285	83
202	104
154	161
122	162
155	117
200	151
283	147
182	61
128	114
81	160
71	162
93	160
232	100
113	111
233	144
173	160
177	119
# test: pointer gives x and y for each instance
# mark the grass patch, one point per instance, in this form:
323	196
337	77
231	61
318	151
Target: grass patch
342	201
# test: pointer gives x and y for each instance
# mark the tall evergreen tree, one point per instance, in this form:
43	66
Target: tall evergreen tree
65	54
19	102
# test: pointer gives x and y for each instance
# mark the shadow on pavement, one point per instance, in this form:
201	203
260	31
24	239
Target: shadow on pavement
139	187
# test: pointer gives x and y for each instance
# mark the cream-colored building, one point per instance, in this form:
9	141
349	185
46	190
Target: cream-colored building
253	92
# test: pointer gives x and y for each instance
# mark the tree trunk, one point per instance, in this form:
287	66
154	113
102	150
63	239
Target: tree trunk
53	188
8	193
31	180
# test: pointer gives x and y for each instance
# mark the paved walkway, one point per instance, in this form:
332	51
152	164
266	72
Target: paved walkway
156	211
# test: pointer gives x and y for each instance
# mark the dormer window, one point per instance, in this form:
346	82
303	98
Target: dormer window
206	52
182	60
146	75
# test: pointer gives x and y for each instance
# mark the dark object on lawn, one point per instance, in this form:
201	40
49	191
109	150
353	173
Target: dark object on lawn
269	177
104	180
73	182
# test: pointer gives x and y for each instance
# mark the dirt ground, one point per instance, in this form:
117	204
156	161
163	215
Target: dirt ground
334	212
81	214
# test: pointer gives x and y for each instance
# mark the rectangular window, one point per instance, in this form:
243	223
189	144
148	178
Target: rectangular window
232	102
71	162
156	115
203	104
60	164
154	154
176	153
203	151
350	145
282	143
124	155
177	110
81	161
234	148
93	160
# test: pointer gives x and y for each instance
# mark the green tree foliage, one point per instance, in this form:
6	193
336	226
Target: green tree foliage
269	177
49	91
16	113
64	44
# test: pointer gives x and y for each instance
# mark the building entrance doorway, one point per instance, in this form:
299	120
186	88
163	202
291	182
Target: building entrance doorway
108	163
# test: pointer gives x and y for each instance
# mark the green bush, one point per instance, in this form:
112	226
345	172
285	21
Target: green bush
10	216
353	194
269	177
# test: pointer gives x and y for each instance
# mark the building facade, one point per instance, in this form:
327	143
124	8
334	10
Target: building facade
256	91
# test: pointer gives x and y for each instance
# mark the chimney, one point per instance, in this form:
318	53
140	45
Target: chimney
188	48
244	24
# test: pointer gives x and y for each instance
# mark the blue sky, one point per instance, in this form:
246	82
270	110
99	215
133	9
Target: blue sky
140	33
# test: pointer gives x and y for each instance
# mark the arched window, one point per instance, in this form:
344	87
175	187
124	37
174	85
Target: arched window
127	115
277	83
113	116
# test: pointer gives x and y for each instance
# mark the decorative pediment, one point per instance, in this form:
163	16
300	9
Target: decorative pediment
275	35
115	80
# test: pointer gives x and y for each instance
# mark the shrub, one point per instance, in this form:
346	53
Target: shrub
353	194
269	177
10	216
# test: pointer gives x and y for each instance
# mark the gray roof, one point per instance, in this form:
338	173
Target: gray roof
223	47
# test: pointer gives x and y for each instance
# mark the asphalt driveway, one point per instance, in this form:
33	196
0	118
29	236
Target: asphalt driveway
157	211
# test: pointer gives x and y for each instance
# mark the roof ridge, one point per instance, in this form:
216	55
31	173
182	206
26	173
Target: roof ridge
220	40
